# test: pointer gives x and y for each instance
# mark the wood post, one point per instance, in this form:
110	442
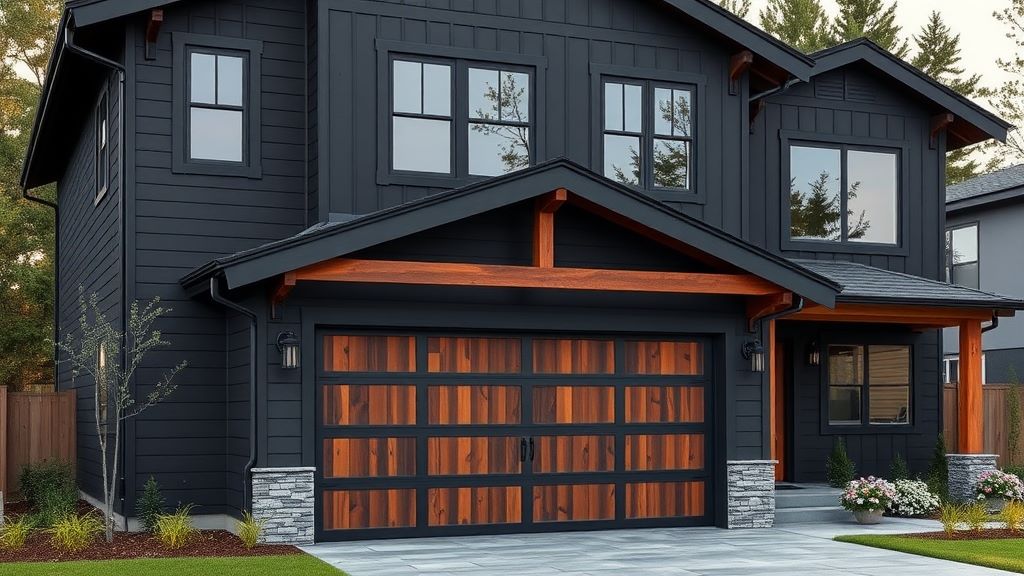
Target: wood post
544	227
970	409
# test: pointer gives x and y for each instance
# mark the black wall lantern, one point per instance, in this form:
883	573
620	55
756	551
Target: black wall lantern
813	354
754	352
288	346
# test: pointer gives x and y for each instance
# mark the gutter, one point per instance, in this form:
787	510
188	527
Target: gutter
217	296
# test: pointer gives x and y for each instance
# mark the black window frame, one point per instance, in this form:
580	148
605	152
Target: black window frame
251	51
102	148
865	426
951	267
460	60
696	84
845	144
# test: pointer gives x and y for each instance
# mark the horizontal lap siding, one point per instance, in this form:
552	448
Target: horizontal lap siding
184	220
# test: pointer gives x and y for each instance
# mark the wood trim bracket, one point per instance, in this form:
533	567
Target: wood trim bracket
156	19
738	66
939	122
283	289
544	227
764	306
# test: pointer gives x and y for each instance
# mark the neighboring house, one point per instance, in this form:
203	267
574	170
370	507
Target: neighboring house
983	238
455	267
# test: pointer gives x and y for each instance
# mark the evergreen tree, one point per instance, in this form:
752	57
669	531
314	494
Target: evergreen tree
802	24
871	19
740	8
1008	99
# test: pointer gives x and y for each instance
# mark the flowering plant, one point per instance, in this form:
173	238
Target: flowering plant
999	484
868	494
913	499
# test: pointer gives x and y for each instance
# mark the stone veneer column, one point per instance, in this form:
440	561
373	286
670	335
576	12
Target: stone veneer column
283	498
964	470
751	493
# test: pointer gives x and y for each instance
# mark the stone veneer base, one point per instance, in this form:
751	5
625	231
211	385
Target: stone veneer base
283	499
751	493
964	470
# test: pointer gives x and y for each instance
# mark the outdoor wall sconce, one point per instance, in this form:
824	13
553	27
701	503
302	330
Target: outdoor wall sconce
288	346
813	355
754	352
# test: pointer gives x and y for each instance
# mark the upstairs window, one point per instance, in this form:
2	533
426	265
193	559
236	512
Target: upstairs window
869	384
422	117
102	146
648	134
844	194
962	259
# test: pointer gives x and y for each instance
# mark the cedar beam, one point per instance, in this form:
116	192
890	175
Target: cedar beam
880	314
156	19
284	287
763	306
970	404
738	66
544	227
939	123
501	276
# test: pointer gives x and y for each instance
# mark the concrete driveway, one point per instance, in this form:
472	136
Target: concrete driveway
801	549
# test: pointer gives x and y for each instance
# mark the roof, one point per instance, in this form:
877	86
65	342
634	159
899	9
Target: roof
333	239
972	123
863	284
996	186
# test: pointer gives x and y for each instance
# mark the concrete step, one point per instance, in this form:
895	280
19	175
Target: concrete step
811	514
806	498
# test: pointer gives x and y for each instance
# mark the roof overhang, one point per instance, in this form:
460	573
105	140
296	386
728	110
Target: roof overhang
988	199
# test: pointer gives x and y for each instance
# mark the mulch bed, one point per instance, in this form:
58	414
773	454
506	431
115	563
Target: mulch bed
988	534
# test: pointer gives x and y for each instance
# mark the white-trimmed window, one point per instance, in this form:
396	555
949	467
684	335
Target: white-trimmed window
962	256
951	370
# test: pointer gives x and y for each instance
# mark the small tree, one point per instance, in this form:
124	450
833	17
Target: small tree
111	357
899	469
150	505
1013	418
839	469
938	472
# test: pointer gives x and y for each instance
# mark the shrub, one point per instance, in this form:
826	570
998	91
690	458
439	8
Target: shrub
76	532
839	469
951	516
999	484
868	494
913	499
1013	515
175	530
938	471
975	516
1017	471
150	505
49	487
899	470
250	529
14	533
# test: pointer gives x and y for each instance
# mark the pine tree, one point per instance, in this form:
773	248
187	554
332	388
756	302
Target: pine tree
740	8
937	54
871	19
802	24
1008	99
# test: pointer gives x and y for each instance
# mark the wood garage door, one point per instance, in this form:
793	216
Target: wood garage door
463	434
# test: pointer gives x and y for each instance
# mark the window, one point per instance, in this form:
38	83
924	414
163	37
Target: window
648	134
951	370
102	146
869	384
840	193
103	382
962	256
460	119
217	106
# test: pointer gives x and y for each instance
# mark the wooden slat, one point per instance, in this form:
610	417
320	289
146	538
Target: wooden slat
369	457
574	454
469	456
470	355
573	404
500	276
664	358
468	506
664	404
664	499
565	356
356	509
344	353
468	405
369	405
649	452
573	503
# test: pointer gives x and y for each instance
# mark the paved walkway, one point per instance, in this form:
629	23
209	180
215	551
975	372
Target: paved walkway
801	549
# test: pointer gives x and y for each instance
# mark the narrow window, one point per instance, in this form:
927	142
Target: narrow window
889	381
845	384
216	112
869	384
102	383
421	137
102	146
499	121
962	258
841	194
623	132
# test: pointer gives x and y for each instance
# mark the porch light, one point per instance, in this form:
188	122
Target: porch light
754	352
288	346
813	355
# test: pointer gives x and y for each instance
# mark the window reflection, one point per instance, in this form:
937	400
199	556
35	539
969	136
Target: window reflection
499	121
814	202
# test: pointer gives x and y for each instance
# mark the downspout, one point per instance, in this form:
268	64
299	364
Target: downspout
218	297
992	326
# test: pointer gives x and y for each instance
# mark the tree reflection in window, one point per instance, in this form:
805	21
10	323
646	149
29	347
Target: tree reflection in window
818	202
499	121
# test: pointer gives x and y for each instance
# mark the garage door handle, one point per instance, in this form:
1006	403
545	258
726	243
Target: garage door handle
533	452
522	449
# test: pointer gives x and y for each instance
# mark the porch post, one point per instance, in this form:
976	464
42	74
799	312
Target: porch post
967	466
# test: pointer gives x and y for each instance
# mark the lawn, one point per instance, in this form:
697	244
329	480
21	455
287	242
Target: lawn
252	566
1005	554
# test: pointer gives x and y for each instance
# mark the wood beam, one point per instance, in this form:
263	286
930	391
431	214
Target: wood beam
500	276
738	66
775	395
544	227
970	404
932	316
284	287
156	19
939	123
762	306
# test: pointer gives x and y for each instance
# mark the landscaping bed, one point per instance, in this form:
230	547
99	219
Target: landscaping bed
205	544
298	564
991	552
991	534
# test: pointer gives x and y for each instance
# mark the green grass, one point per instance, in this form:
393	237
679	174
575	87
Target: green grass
251	566
999	554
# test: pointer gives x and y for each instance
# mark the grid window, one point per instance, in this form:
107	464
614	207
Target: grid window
499	121
962	258
422	117
869	384
216	107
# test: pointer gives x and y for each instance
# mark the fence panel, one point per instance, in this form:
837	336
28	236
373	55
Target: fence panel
997	420
38	427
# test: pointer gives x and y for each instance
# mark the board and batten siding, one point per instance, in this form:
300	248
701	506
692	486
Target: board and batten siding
90	259
568	37
194	444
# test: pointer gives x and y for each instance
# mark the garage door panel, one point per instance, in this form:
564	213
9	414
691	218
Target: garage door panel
573	503
468	456
655	452
369	405
347	353
664	358
574	454
474	405
664	499
360	509
664	404
573	404
477	505
468	355
369	457
565	356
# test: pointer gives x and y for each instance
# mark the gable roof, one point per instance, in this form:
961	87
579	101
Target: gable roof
972	124
1005	184
334	239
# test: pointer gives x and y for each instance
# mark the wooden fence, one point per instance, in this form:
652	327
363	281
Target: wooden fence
34	427
997	421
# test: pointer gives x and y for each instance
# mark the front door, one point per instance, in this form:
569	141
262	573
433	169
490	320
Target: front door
425	434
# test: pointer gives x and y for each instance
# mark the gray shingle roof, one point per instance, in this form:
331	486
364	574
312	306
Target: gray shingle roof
1005	179
862	283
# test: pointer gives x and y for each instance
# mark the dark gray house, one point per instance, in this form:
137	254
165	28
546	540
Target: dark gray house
465	266
983	238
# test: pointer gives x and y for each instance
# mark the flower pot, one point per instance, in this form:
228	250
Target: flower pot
995	504
868	516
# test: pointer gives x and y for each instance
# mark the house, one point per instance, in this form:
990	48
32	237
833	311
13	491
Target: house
982	220
455	267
